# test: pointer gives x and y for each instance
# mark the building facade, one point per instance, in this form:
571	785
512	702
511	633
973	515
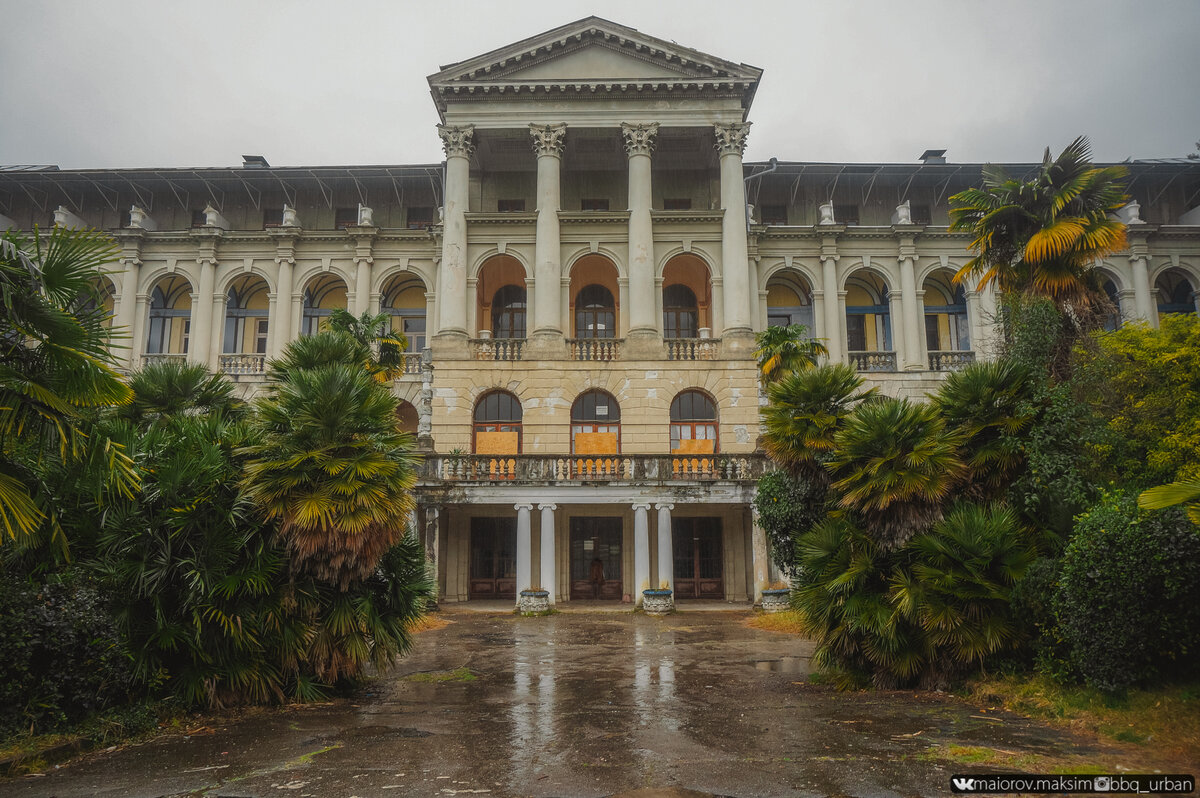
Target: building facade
580	282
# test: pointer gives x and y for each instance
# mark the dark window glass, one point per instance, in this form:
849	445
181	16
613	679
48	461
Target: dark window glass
920	214
773	214
856	333
681	314
199	219
593	205
420	217
693	406
272	217
345	217
508	312
845	214
498	406
595	313
677	204
510	205
595	406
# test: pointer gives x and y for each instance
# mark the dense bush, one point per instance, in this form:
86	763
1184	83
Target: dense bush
1128	600
62	658
787	507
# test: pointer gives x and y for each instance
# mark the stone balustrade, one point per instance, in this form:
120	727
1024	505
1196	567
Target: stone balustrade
163	357
244	363
498	348
873	361
693	348
950	361
601	349
616	468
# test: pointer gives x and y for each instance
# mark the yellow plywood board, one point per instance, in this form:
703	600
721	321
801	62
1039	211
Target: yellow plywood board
496	443
595	443
695	446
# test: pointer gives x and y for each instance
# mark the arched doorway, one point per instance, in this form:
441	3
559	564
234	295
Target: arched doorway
169	319
947	328
687	298
245	336
869	322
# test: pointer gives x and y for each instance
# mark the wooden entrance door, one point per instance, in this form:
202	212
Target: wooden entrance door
699	566
493	558
592	539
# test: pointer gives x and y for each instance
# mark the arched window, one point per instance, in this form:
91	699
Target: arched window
595	313
404	301
681	312
169	326
246	326
497	424
1112	319
693	424
1175	293
946	326
321	296
508	312
595	424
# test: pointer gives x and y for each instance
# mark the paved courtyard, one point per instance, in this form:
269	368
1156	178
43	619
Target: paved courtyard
580	704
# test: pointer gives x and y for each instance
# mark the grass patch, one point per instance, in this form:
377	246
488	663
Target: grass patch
1166	719
437	677
786	622
428	623
31	753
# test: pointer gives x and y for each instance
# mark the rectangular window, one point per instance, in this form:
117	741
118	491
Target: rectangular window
845	214
773	214
345	217
414	331
260	337
510	205
420	217
931	332
856	333
187	331
272	217
593	205
199	219
677	204
920	214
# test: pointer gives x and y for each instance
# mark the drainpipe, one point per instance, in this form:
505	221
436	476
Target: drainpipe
774	165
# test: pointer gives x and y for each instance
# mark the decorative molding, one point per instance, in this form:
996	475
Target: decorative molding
457	140
731	138
548	139
639	139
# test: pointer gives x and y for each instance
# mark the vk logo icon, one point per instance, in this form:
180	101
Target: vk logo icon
963	784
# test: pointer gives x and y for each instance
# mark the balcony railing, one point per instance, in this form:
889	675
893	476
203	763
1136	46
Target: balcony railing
243	363
616	468
950	361
604	349
411	363
693	348
498	348
873	361
163	357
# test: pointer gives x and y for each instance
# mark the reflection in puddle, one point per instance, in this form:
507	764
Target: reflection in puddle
784	665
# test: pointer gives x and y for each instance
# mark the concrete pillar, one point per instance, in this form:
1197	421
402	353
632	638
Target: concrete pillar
431	540
910	317
452	273
639	144
666	549
362	285
1143	304
761	558
833	312
126	310
200	335
138	345
974	319
548	575
731	143
548	143
280	321
216	332
641	551
524	549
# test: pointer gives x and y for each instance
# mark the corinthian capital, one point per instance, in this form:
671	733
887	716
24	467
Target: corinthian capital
457	140
548	139
731	139
639	139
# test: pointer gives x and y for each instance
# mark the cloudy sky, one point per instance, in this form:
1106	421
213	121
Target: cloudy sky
130	83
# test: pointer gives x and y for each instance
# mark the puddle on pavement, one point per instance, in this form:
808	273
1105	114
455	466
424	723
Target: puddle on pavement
784	665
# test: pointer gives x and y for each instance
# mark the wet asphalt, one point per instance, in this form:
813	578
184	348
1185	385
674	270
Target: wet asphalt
574	705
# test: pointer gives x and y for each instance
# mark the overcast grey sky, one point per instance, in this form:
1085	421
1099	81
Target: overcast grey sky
127	83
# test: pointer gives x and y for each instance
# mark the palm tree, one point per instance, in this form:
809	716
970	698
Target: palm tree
803	413
786	350
1042	235
55	367
171	388
332	466
894	464
989	404
374	332
1185	492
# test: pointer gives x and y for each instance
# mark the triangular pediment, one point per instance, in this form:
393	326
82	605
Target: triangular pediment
592	52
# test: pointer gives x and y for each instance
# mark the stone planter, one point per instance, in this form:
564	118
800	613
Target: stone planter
776	600
534	602
657	602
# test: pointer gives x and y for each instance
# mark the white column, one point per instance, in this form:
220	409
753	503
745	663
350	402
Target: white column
201	313
761	558
641	551
833	311
666	551
126	317
138	345
362	285
432	535
910	317
548	143
639	144
280	322
524	549
731	143
548	576
1142	303
452	273
216	332
975	320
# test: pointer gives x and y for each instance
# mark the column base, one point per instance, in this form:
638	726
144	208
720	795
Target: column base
450	345
546	345
738	345
643	344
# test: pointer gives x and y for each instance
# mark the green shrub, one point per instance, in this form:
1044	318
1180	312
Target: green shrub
1128	601
788	507
62	658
